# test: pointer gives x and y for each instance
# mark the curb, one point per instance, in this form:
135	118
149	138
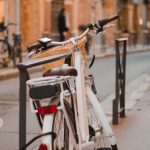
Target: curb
12	73
7	75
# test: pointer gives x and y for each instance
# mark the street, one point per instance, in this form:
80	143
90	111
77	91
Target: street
104	72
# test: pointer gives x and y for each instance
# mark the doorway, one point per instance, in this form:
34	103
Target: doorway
56	6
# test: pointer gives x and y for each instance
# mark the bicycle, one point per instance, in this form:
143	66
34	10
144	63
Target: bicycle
8	51
73	117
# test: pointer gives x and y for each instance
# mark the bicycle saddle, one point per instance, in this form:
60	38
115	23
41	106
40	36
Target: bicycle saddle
65	70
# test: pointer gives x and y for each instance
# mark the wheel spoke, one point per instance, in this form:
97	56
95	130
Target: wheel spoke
100	138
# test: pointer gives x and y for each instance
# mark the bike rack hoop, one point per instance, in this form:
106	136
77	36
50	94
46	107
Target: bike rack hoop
120	80
42	61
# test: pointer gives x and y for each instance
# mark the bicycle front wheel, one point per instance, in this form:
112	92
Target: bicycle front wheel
97	131
63	140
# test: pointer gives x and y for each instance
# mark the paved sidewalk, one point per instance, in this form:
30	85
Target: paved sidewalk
133	132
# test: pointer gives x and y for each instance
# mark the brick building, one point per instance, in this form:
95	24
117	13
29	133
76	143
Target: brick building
1	10
38	17
135	19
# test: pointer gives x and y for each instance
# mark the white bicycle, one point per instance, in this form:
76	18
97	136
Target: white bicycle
71	115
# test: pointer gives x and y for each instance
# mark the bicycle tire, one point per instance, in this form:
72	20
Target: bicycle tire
4	51
63	142
99	136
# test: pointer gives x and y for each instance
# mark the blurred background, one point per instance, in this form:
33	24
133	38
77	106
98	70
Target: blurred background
37	18
34	19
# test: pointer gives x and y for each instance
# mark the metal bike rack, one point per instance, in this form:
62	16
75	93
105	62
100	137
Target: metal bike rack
23	77
120	80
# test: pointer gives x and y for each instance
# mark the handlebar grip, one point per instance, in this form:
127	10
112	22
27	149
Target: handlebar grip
33	46
113	18
107	20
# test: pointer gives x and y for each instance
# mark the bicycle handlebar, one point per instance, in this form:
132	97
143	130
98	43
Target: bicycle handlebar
107	20
45	43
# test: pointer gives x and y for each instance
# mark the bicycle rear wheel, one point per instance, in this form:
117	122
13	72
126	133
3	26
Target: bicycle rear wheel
97	132
64	140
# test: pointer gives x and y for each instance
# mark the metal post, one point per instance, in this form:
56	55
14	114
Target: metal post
115	102
120	80
122	97
24	76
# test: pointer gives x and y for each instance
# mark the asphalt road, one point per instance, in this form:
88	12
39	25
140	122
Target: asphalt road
104	71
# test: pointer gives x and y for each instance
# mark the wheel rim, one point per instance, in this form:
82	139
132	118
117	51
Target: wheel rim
59	127
63	140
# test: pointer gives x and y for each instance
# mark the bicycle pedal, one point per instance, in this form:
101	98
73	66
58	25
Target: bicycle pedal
104	149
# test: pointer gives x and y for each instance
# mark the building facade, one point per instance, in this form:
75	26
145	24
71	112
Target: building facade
39	17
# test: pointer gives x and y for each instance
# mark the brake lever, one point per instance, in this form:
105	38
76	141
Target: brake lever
100	29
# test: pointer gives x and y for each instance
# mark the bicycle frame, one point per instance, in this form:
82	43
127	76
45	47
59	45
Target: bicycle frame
81	97
84	90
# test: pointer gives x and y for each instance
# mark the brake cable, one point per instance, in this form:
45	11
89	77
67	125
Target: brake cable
37	137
